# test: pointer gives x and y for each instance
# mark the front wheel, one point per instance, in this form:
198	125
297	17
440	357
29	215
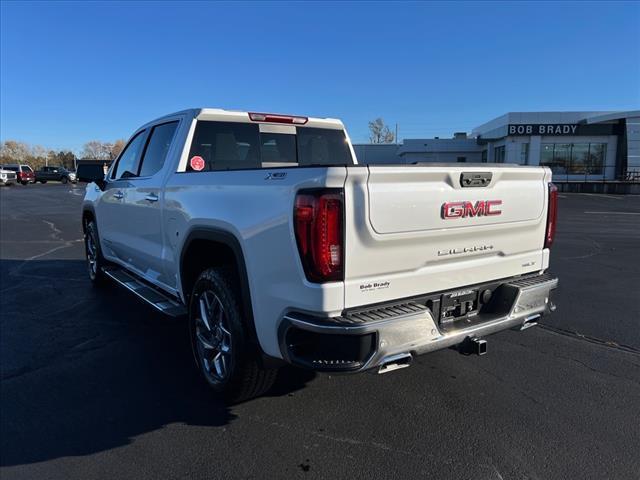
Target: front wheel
43	181
95	262
64	180
219	339
24	183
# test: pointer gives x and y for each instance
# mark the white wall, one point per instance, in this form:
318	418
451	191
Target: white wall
535	147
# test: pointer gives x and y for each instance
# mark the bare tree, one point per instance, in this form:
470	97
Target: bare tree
51	158
379	132
107	147
95	150
66	158
39	157
117	147
13	151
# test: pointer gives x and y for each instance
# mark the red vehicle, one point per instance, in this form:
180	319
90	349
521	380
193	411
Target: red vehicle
24	173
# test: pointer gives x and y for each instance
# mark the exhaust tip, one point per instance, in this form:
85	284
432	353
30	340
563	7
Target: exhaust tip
395	362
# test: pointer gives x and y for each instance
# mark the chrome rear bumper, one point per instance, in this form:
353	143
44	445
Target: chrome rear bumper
412	330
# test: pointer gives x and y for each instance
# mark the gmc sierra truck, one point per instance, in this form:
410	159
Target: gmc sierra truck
264	232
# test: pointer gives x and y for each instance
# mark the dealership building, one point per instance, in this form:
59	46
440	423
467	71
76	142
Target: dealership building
577	146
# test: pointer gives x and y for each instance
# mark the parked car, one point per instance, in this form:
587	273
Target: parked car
7	177
24	173
58	174
278	248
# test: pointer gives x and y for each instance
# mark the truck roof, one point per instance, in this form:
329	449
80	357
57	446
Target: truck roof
221	115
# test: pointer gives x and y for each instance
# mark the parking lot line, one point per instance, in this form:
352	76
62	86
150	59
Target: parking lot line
613	213
608	196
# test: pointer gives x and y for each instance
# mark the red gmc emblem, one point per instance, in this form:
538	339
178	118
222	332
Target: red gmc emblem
482	208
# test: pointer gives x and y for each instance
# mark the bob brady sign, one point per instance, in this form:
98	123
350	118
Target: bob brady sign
562	129
539	129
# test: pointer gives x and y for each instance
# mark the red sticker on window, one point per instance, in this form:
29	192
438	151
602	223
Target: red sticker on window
197	163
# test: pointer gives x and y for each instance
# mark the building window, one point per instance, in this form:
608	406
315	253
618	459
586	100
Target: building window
574	158
498	154
524	154
546	155
597	157
579	158
562	156
462	159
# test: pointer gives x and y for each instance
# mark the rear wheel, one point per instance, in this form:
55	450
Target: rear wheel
95	262
64	180
219	339
24	183
43	181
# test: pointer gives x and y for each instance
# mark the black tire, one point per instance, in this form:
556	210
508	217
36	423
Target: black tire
64	180
24	183
95	261
43	181
244	376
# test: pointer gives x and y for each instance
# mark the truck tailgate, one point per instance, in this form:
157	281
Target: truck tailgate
416	229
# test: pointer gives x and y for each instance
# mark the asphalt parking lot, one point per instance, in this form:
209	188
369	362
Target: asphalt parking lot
94	384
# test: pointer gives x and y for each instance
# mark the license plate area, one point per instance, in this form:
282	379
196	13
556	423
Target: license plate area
476	303
459	305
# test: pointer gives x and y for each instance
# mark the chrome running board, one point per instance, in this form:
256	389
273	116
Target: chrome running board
154	297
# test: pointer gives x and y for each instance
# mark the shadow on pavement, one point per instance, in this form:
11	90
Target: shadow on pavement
84	371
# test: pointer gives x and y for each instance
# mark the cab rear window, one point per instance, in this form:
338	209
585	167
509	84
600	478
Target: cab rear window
235	146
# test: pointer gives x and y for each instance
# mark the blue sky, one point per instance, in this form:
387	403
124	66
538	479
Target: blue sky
72	72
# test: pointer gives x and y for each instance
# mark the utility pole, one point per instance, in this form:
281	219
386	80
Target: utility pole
396	133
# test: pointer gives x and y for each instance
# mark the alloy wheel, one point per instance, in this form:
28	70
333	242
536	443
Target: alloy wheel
92	255
213	338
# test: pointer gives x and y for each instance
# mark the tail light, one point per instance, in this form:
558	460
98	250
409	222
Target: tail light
552	216
318	223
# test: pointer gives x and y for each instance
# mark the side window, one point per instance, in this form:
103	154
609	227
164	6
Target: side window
323	146
157	148
224	146
128	163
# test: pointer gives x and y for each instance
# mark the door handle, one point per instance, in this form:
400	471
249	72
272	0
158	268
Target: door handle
118	195
152	197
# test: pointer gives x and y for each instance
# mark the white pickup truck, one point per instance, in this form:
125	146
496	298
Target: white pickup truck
265	232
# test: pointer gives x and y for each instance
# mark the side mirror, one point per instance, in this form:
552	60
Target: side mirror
91	173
